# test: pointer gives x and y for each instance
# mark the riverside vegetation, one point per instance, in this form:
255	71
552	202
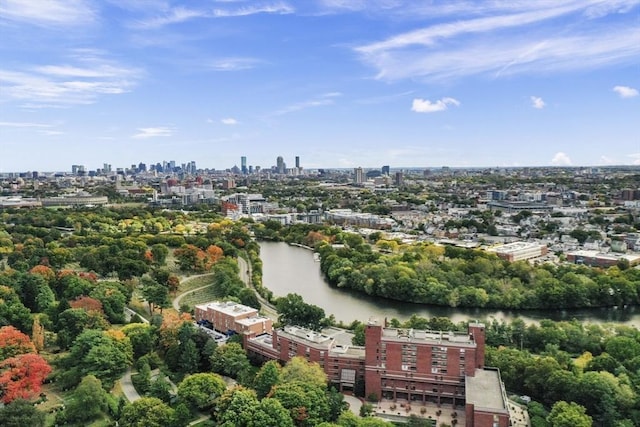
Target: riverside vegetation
68	274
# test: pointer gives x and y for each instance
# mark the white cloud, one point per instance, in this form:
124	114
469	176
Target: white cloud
229	121
153	132
91	76
606	160
625	91
23	125
537	102
495	44
172	16
318	102
233	64
425	106
561	159
48	12
635	157
276	8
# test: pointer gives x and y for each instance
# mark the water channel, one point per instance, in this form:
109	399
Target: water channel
289	269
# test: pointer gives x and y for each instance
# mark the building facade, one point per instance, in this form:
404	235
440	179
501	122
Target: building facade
419	367
231	317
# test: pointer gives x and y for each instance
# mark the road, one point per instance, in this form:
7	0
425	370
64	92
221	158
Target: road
245	274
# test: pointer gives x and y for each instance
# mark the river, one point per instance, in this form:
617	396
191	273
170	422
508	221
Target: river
289	269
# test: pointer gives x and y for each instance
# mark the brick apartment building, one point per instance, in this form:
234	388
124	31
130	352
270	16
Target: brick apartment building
229	317
442	369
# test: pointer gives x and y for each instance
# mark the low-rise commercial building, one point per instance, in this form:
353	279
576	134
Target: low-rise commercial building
518	251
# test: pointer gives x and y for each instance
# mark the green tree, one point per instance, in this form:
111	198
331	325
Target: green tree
142	336
73	321
299	369
307	403
565	414
229	359
13	312
147	412
105	354
157	295
20	413
160	253
160	388
267	377
294	311
87	402
200	390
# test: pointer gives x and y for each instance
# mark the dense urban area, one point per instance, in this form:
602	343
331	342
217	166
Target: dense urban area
135	296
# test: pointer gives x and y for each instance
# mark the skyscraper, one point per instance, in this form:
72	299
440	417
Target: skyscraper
243	165
297	162
385	170
358	176
280	165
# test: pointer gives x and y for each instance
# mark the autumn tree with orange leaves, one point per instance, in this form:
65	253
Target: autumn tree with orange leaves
21	376
13	343
191	257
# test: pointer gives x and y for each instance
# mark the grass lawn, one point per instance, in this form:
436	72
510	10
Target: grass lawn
201	296
187	283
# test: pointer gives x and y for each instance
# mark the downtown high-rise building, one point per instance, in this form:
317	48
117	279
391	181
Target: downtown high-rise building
297	162
280	165
243	165
358	177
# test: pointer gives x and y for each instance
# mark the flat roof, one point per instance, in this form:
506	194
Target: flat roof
228	307
428	337
248	321
485	391
515	246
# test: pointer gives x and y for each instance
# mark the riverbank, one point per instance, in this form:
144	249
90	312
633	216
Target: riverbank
292	269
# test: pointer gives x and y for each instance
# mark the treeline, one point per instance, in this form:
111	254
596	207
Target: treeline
455	277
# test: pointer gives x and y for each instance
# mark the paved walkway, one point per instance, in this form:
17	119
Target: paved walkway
245	274
127	387
354	403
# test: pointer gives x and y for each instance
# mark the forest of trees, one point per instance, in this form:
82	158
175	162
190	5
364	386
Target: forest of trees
63	330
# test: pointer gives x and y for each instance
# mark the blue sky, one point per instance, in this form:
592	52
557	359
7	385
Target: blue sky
340	83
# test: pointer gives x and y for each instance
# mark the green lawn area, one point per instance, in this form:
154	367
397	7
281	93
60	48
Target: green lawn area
201	296
186	284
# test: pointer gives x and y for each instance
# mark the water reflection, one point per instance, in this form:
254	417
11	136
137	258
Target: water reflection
289	269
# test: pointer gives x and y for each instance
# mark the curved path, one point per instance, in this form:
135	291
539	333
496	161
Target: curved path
245	274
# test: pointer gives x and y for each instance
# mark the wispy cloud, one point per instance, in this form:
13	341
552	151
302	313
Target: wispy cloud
625	91
57	13
62	85
279	8
420	105
230	121
163	15
23	125
233	64
383	98
496	45
327	98
561	159
174	15
537	102
153	132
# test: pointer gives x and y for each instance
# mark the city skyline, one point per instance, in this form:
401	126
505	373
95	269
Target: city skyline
339	83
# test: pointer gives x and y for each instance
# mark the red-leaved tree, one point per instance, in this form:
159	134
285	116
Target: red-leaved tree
13	342
21	376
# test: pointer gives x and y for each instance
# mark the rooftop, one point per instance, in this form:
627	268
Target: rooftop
428	337
484	390
228	307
